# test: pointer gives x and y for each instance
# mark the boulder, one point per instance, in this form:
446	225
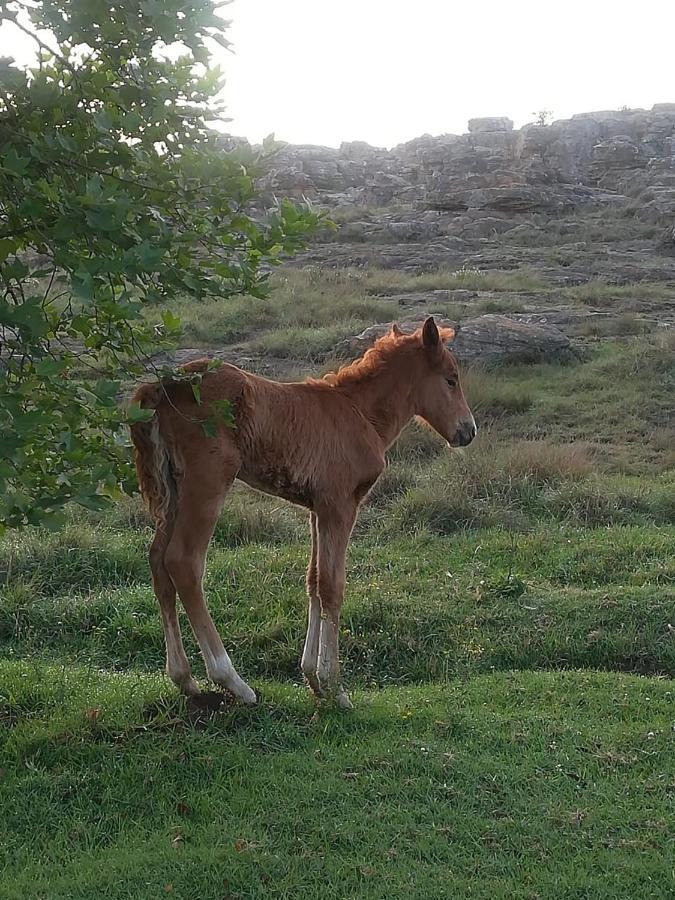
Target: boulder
490	340
619	151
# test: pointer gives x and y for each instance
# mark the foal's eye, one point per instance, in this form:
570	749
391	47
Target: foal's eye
451	382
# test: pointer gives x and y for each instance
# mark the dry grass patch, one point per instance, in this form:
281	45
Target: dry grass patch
599	292
490	394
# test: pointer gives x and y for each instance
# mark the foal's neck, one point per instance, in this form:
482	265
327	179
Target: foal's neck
385	400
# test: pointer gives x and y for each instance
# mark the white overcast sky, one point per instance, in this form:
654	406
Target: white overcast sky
385	71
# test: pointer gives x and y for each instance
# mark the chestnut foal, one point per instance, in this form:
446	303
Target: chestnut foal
320	444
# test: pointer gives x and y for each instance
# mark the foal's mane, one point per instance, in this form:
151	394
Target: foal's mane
377	357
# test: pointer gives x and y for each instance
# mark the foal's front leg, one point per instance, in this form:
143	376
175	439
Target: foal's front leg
334	529
310	653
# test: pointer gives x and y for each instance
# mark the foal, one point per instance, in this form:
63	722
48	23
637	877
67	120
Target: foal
320	444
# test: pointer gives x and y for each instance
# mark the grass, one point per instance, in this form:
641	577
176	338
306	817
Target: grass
303	300
306	344
507	635
598	292
386	281
465	790
313	309
490	394
623	324
99	610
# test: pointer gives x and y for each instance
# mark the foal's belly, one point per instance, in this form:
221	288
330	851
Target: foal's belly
278	483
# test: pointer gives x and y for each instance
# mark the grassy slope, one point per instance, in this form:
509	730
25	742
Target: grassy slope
498	602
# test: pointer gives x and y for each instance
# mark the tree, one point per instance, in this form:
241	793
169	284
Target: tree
542	117
114	194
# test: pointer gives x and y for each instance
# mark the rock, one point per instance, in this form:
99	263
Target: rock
489	339
526	232
413	231
490	123
324	173
360	150
619	151
592	159
485	227
385	187
667	240
498	340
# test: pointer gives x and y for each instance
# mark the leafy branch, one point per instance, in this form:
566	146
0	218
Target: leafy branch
115	197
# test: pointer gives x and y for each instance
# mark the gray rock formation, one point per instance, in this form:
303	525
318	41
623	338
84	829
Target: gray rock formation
490	339
587	161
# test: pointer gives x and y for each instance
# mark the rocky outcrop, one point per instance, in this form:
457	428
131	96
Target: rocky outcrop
587	161
488	339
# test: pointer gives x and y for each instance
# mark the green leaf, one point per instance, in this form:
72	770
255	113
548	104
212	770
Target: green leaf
49	367
172	322
209	428
7	246
222	410
10	161
94	502
135	413
29	317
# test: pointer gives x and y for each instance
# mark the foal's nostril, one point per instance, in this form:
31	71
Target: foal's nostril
467	434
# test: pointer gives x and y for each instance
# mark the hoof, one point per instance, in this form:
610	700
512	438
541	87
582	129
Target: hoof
313	682
187	685
334	694
246	694
190	688
238	688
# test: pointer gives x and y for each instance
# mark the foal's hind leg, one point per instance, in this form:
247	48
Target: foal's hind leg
200	499
177	665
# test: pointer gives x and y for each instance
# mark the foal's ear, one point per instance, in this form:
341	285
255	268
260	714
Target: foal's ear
396	330
430	336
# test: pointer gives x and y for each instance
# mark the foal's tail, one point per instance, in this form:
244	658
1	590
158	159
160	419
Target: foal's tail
153	459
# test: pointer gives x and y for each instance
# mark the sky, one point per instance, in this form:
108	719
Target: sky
386	71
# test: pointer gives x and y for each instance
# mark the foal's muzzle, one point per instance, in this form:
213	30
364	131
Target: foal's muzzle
465	433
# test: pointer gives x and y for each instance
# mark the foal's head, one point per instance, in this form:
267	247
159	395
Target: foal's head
437	392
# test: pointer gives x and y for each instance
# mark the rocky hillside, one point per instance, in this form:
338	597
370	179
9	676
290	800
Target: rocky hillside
535	241
593	159
599	188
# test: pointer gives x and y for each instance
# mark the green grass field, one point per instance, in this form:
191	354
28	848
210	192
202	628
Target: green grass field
508	636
